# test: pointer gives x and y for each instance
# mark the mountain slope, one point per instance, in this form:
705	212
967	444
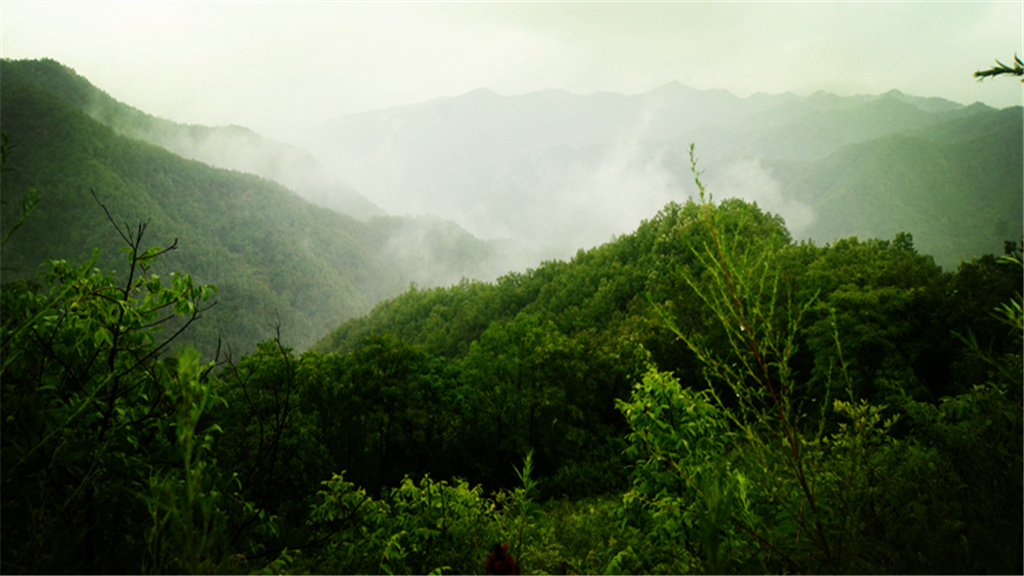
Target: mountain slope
274	256
231	147
956	186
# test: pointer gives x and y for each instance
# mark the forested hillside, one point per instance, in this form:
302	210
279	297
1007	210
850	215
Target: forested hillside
231	147
956	184
275	257
704	393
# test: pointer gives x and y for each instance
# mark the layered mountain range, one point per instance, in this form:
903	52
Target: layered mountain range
558	171
478	185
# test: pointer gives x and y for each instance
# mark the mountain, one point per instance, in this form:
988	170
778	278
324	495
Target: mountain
239	148
690	396
231	147
557	171
551	171
275	257
956	186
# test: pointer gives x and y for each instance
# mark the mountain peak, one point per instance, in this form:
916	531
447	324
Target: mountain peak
675	87
479	94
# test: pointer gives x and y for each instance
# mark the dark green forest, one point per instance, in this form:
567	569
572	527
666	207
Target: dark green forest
704	394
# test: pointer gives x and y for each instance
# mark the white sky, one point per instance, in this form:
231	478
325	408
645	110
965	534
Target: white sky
276	66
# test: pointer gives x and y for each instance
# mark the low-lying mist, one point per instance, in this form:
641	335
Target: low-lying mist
554	172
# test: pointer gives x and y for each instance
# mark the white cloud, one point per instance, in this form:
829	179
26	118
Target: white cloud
748	180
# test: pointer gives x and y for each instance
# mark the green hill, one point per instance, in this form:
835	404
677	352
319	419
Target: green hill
274	256
579	334
956	186
231	147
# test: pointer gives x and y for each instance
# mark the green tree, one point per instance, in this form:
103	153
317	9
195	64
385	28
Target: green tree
269	443
391	383
516	378
738	478
91	414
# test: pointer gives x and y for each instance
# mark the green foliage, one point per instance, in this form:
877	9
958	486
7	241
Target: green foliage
776	332
443	526
351	524
999	69
843	408
438	526
418	528
187	521
678	440
739	481
782	445
93	418
879	299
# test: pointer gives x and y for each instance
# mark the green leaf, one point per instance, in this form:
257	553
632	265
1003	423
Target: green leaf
102	336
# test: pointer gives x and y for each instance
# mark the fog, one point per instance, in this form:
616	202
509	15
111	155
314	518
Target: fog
747	179
556	172
273	67
548	127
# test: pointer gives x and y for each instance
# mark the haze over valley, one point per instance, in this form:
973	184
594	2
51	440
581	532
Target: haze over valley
565	126
557	172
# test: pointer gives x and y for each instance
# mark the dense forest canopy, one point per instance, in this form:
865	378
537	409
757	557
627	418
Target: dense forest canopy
702	394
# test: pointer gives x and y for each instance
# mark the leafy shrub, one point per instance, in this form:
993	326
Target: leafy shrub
96	423
732	478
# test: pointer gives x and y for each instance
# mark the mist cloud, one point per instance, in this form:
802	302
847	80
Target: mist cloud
629	184
748	180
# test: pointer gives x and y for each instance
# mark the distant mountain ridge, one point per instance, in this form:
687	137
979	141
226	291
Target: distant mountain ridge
553	171
559	172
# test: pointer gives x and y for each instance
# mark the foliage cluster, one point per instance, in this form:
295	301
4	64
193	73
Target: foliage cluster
100	433
734	478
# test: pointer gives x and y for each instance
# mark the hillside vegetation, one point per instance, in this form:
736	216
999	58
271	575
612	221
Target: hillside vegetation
704	394
956	185
276	258
231	147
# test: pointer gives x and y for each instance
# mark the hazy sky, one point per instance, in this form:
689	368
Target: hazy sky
272	66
